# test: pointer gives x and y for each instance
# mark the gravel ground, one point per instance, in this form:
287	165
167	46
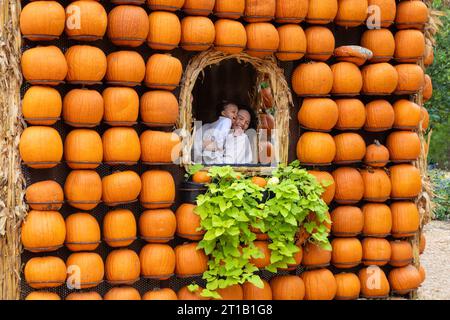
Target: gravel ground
436	261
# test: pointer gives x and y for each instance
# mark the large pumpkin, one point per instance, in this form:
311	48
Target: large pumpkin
84	296
377	220
380	116
410	78
377	155
315	257
319	114
43	231
197	33
165	5
320	284
229	9
83	108
45	195
86	269
45	272
291	11
119	228
160	147
231	36
323	178
44	65
83	189
427	88
401	253
158	189
406	181
42	296
122	266
321	11
287	287
41	105
125	68
320	43
157	261
122	293
40	147
350	147
348	286
351	114
316	148
86	20
409	46
42	20
121	146
159	108
407	115
252	292
424	119
160	294
292	43
405	219
82	232
198	7
264	261
188	222
351	13
157	226
83	149
186	294
312	79
376	251
347	79
262	39
190	261
403	146
388	9
163	72
259	11
379	79
411	15
121	187
233	292
374	283
86	65
165	31
128	26
346	253
349	185
121	106
381	42
405	279
347	221
377	185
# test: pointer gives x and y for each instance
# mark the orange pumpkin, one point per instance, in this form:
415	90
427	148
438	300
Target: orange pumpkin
165	31
82	232
159	108
350	147
229	9
86	65
312	79
125	68
347	252
165	5
85	269
319	114
128	26
422	274
198	7
351	114
42	295
44	66
163	72
405	279
86	20
122	266
381	42
259	181
429	55
376	251
231	36
43	231
427	88
190	261
84	296
406	181
409	46
185	294
314	256
320	284
347	221
351	13
322	12
403	146
424	118
45	272
40	147
259	11
188	222
316	148
121	106
377	185
377	220
347	79
422	243
264	261
158	189
41	105
83	189
377	155
407	114
233	292
349	185
411	15
83	108
410	78
287	288
252	292
121	146
83	149
354	54
374	283
379	116
122	293
45	195
291	11
121	187
380	79
325	177
292	43
320	43
387	8
401	253
160	147
42	20
262	39
348	286
157	226
197	33
160	294
119	228
405	219
157	261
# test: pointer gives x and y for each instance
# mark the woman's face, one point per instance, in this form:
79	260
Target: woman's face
243	119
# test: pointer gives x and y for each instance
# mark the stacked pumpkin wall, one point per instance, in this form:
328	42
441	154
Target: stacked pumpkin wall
130	81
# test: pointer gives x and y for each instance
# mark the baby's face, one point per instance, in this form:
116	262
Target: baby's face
231	112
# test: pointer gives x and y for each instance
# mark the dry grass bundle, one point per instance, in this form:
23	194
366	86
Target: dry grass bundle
265	68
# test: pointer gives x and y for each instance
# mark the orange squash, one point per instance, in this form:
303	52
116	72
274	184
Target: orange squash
346	253
379	116
351	114
198	7
82	232
377	155
42	295
348	286
347	79
84	296
381	42
234	292
262	39
349	185
165	31
406	181
160	147
163	72
160	294
409	46
320	284
429	55
314	256
374	283
259	11
85	269
424	118
316	148
312	79
86	20
351	13
45	272
83	189
320	43
380	79
231	36
377	185
40	147
350	147
322	12
427	88
263	262
122	293
121	106
410	78
83	108
403	146
83	149
229	9
291	11
259	181
190	261
121	146
325	177
411	15
185	294
401	253
354	54
86	65
125	68
122	266
128	26
422	243
188	222
292	43
159	108
157	261
319	114
45	195
121	187
387	8
41	105
252	292
376	251
407	114
377	220
422	272
157	226
43	231
405	219
405	279
165	5
347	221
197	33
287	287
119	228
158	189
42	20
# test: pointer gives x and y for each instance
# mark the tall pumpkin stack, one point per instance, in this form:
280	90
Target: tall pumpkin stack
348	115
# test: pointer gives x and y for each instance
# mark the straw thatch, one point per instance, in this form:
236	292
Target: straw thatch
12	207
265	68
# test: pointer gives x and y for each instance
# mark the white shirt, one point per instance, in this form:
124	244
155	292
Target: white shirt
217	132
238	149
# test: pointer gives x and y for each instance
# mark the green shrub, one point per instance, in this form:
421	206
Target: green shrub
441	185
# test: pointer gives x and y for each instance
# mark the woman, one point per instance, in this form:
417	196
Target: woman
238	149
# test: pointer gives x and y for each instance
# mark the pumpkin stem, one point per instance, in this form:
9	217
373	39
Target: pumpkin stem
377	143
